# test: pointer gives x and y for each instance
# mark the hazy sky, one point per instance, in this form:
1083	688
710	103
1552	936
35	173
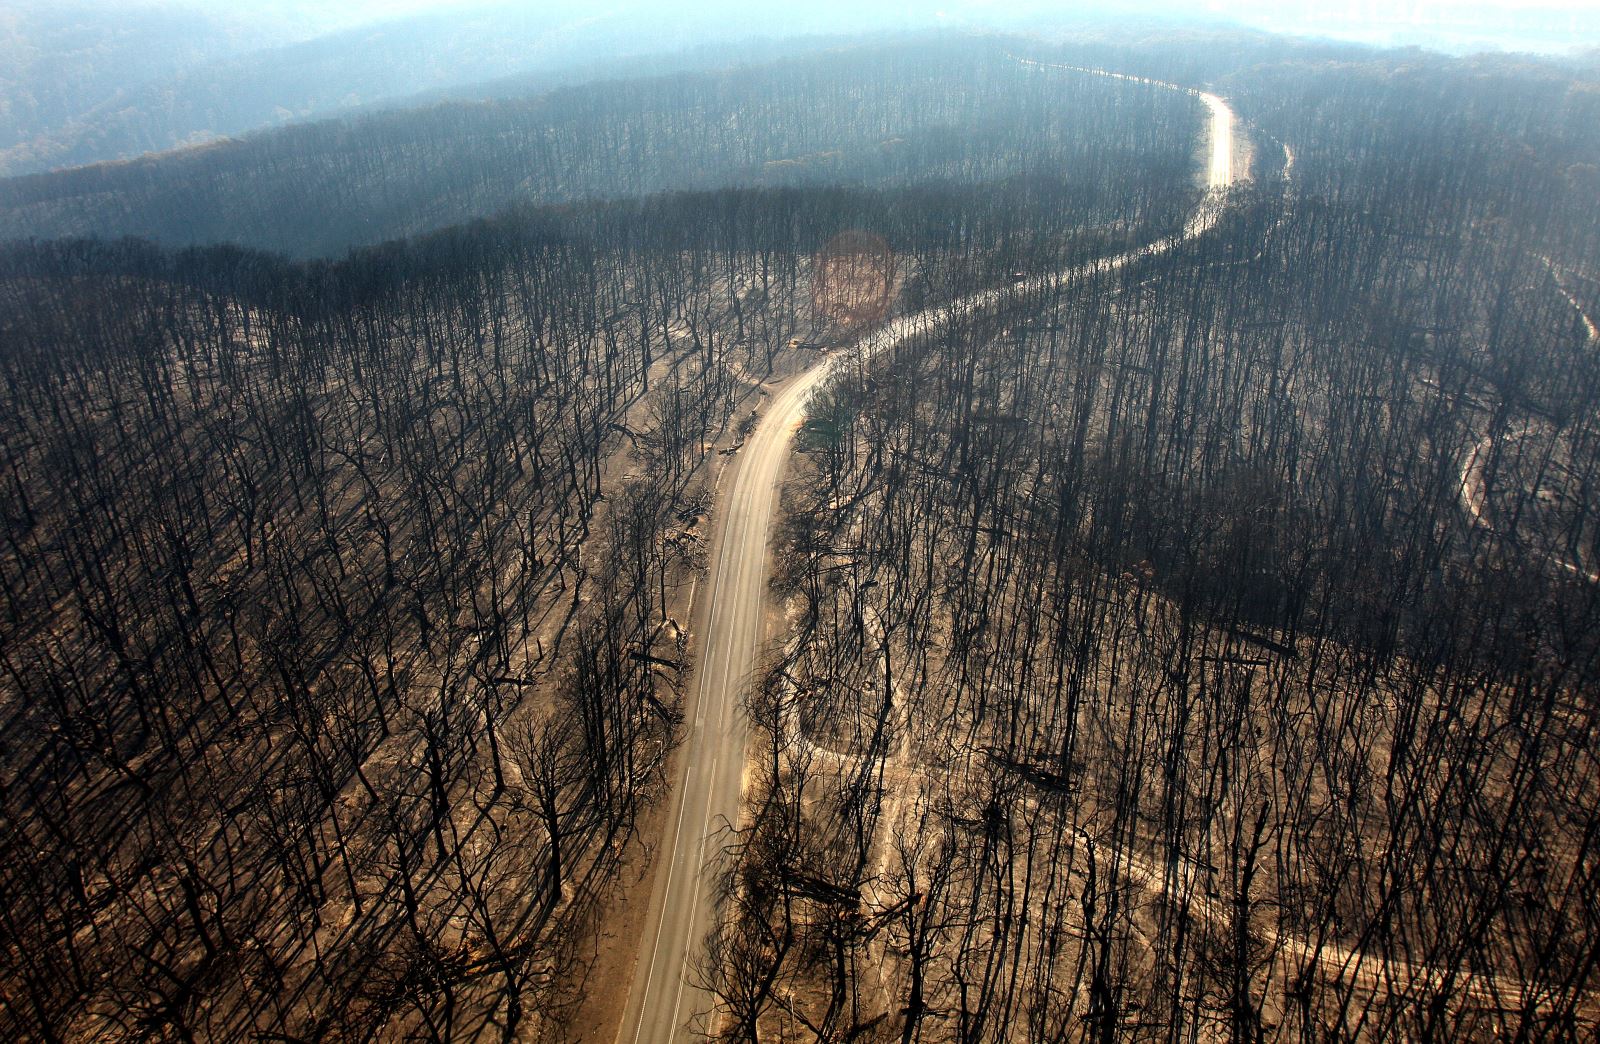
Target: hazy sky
1510	23
1455	24
1552	25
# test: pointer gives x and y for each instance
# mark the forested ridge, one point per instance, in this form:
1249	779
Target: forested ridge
863	117
1199	648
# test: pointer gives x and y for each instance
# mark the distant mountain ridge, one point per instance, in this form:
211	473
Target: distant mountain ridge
220	91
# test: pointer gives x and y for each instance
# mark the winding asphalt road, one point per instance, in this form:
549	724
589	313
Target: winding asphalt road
665	1003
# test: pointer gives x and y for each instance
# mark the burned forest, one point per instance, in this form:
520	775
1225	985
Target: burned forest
947	536
1205	648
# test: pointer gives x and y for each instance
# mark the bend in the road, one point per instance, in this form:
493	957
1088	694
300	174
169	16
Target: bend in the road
707	797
